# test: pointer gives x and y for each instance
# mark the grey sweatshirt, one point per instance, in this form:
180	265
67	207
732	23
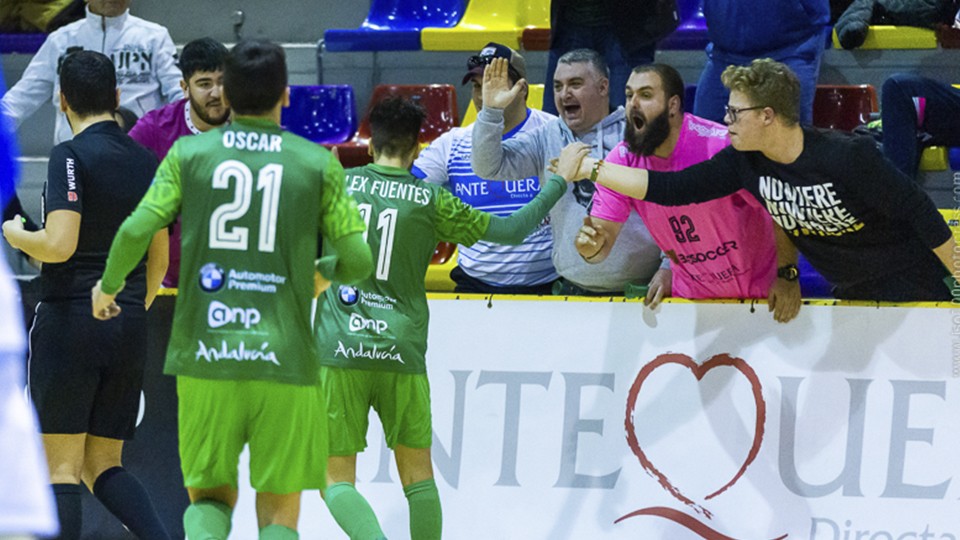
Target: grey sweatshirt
634	258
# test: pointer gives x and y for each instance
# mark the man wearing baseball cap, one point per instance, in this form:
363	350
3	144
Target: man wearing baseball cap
486	267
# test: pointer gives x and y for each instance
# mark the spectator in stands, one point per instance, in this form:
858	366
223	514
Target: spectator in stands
862	224
719	249
582	86
486	267
203	108
788	31
624	32
910	103
87	396
141	51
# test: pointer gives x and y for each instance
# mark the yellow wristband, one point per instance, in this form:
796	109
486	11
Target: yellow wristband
596	170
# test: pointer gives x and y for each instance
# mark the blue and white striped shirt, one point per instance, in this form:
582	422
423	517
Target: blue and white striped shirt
447	162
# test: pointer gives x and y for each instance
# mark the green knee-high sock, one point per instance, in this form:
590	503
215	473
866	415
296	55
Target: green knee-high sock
207	520
426	518
352	512
278	532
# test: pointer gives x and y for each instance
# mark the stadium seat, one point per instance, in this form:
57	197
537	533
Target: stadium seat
535	39
691	33
21	43
395	25
843	107
322	114
933	158
501	21
895	37
439	100
438	273
534	101
812	284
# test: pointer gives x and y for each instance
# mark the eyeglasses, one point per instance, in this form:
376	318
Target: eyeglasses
732	112
477	60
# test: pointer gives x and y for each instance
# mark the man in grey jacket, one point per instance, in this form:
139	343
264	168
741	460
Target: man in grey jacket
581	90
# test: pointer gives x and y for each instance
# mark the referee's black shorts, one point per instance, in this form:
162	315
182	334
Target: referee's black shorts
86	375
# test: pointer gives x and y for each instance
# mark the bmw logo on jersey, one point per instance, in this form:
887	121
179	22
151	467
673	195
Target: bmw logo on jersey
211	277
348	295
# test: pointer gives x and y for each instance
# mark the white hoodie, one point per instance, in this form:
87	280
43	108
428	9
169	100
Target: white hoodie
142	52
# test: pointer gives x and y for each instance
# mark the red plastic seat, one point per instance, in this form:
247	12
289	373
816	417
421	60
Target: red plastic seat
535	39
443	253
843	107
439	101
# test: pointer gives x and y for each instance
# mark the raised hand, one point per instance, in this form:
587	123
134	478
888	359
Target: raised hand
497	91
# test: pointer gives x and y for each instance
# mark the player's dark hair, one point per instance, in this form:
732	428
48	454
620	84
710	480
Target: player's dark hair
88	81
670	79
395	126
254	76
204	54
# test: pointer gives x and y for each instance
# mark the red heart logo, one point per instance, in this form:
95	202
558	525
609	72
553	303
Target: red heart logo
698	371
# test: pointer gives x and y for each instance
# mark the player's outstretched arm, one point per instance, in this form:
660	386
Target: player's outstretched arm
514	229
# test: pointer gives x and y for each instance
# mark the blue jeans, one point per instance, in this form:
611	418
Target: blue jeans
602	40
803	59
941	117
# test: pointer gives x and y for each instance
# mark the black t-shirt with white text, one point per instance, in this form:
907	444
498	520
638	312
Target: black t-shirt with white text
849	211
101	174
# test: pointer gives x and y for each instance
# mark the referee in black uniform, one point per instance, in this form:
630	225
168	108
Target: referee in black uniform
86	375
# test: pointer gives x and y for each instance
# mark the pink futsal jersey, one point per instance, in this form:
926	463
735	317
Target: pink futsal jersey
718	249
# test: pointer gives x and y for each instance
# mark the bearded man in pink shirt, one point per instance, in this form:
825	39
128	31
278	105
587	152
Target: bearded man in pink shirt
201	63
723	248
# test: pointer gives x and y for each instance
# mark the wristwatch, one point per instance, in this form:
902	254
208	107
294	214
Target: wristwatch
788	272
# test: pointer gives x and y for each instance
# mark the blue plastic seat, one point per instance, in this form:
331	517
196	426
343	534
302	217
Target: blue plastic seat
21	43
812	284
322	114
395	25
691	33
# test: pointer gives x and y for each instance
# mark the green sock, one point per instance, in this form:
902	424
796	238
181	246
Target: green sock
426	518
352	512
207	520
278	532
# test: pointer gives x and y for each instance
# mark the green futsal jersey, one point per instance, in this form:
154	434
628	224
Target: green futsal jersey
252	199
381	322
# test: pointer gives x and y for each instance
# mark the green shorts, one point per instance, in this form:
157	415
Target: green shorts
402	401
284	424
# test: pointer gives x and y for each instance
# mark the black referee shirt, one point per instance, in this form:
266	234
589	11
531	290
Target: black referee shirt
101	174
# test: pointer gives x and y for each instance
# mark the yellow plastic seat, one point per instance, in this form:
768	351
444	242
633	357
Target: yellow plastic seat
484	21
895	37
934	158
534	101
952	217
